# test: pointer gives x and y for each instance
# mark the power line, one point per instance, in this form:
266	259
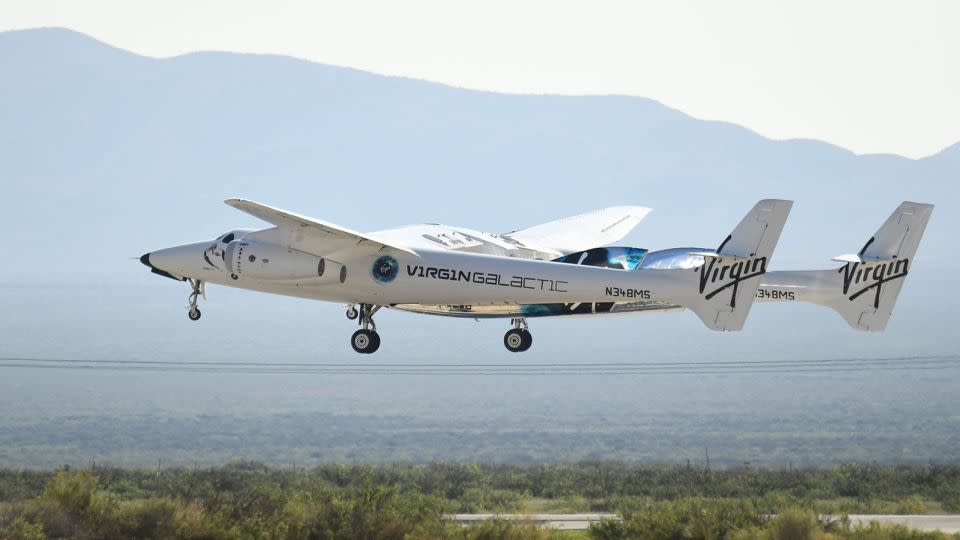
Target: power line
915	363
916	358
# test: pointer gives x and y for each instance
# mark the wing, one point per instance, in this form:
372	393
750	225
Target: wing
317	230
582	232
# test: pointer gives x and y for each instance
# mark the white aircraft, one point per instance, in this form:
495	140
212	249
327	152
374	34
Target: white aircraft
548	270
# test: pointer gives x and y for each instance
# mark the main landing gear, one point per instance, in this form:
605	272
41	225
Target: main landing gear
518	338
198	290
366	340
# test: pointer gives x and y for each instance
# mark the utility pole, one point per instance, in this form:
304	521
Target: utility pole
707	452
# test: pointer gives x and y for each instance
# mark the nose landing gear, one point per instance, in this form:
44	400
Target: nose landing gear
198	290
366	340
518	338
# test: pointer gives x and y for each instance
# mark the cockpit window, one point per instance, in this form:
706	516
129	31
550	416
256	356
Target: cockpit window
228	238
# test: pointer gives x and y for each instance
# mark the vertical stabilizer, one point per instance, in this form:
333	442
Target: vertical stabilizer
870	281
728	280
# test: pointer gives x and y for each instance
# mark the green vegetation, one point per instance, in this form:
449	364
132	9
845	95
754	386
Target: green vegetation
725	519
251	500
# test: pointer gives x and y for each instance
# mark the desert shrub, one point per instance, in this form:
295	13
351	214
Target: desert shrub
691	519
21	529
499	530
951	501
795	524
750	533
912	505
607	530
875	531
148	518
476	500
75	492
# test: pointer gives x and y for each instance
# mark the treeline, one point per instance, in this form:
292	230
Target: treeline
469	486
251	500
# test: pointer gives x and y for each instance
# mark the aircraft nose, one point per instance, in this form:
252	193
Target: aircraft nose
176	262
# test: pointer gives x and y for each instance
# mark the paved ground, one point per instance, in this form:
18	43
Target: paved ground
569	522
947	524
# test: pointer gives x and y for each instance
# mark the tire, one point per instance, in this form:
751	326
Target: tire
513	340
527	340
194	314
365	341
352	314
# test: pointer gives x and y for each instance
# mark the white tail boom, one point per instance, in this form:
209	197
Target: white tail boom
864	290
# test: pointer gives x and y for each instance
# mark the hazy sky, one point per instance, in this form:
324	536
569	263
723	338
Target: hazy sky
872	76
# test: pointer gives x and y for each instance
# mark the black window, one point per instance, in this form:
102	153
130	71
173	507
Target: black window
228	238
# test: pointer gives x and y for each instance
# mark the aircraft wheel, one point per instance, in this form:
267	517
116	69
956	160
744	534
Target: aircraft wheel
365	341
514	340
352	313
194	314
527	340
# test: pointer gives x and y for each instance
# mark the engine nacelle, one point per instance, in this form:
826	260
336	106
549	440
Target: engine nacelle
260	260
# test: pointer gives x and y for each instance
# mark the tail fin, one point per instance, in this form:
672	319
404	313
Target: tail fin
729	278
871	280
865	289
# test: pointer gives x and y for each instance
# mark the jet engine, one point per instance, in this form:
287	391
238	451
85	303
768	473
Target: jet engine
260	260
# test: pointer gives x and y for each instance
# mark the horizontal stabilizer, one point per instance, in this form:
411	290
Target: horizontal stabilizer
848	258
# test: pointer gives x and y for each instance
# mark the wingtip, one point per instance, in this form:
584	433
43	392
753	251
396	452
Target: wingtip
922	206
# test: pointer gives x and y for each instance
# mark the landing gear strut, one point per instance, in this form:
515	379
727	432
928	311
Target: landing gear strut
198	290
518	338
366	340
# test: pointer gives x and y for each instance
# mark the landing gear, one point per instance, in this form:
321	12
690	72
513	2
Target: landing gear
352	312
198	289
366	340
518	338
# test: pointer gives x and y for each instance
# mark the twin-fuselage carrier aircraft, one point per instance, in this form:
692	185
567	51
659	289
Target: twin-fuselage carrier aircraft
553	269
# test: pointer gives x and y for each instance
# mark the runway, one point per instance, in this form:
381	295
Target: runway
566	522
578	522
947	524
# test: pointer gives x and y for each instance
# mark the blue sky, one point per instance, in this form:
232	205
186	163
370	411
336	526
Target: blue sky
872	76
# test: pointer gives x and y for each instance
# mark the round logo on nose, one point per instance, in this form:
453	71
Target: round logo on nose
385	269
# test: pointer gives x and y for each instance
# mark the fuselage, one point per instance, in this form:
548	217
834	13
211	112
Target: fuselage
438	280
